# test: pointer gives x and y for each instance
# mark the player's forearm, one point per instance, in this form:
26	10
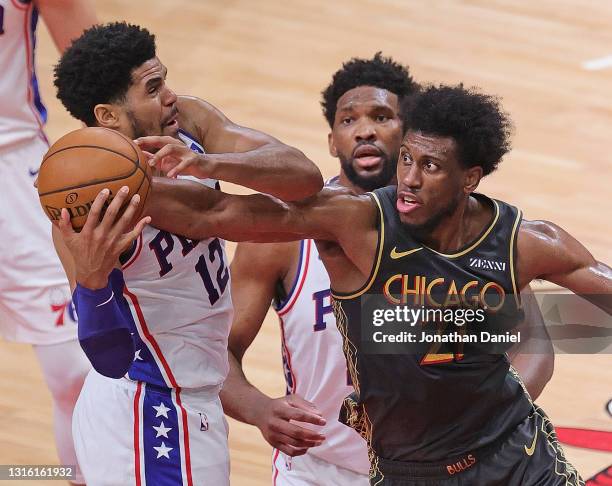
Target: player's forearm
67	19
592	281
275	169
193	210
534	355
241	400
103	328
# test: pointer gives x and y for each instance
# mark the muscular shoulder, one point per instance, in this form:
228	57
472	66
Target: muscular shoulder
196	115
544	247
539	229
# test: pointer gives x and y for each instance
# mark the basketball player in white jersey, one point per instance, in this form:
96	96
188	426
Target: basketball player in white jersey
34	293
162	422
361	106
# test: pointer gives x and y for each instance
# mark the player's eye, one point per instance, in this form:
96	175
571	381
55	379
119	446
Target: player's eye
431	166
346	121
381	118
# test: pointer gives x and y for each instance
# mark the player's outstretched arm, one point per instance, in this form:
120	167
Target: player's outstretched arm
548	252
256	269
193	210
234	154
534	356
66	19
91	257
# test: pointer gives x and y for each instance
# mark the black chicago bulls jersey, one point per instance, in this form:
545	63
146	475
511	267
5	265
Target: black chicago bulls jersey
444	400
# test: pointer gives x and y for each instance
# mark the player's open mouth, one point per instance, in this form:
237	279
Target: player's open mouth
367	156
406	203
173	122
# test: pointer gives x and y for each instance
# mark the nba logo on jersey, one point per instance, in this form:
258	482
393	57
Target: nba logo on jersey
203	422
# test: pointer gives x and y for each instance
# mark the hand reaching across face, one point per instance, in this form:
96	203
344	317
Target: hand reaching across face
173	157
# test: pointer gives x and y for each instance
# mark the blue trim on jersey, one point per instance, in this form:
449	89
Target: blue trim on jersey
42	110
194	145
286	300
144	367
162	466
129	253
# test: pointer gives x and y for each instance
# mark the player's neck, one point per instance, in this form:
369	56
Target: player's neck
344	181
460	228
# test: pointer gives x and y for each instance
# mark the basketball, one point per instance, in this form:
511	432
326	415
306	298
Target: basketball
82	163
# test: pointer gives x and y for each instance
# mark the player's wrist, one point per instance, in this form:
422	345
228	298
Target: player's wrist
256	414
208	166
92	282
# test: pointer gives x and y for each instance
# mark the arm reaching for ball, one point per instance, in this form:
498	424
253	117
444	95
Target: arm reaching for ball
90	259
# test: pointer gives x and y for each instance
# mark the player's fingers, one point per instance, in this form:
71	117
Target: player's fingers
297	432
122	225
153	143
300	415
128	238
291	451
299	402
168	164
179	168
171	150
295	442
93	218
113	208
65	225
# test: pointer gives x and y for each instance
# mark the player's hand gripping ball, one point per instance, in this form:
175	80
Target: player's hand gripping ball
82	163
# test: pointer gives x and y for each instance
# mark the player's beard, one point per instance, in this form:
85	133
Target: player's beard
422	232
137	127
382	179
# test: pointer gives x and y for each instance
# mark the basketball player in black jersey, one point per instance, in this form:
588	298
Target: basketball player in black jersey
466	420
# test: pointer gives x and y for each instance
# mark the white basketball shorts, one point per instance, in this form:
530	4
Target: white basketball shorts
133	433
34	292
308	470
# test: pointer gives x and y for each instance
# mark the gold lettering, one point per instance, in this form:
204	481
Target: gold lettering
387	291
500	291
472	300
406	291
452	296
432	284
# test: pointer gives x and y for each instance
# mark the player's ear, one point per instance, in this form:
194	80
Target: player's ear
472	179
107	116
332	146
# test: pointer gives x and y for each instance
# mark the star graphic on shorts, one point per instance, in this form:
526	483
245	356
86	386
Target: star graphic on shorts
161	409
137	356
162	450
162	430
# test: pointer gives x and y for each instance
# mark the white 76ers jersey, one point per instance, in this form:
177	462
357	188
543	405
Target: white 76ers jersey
178	293
22	114
314	364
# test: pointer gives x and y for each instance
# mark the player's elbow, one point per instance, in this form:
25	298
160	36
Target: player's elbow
308	181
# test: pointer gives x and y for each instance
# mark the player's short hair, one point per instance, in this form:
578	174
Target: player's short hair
97	67
476	121
379	72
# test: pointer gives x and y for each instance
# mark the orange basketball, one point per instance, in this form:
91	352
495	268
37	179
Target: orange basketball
82	163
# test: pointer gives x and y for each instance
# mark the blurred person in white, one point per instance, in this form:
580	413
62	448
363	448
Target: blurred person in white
34	293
